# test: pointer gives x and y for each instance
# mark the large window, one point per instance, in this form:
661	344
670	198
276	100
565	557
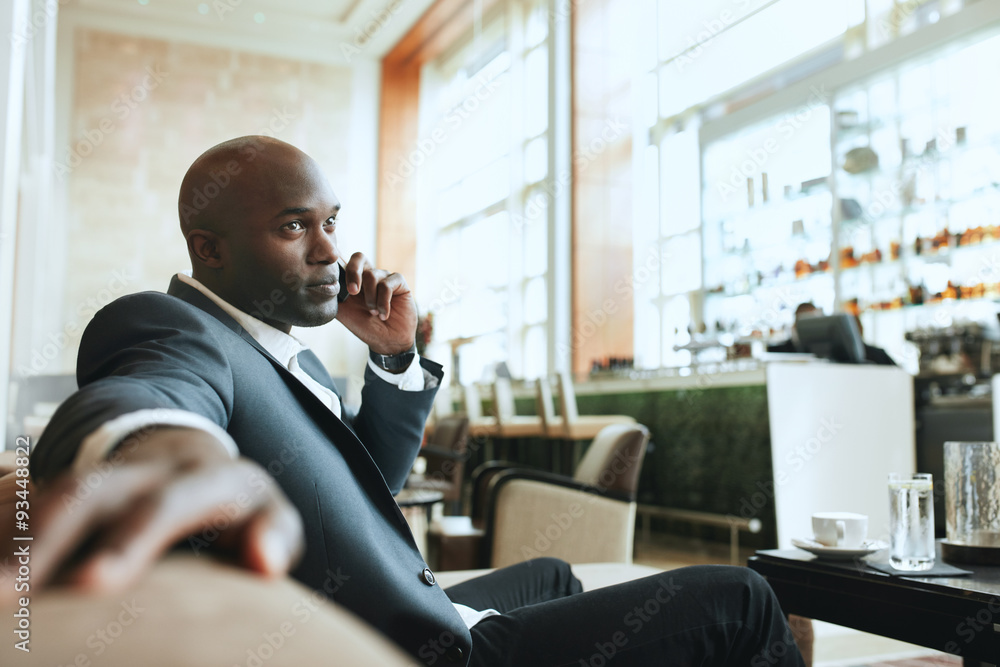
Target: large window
483	210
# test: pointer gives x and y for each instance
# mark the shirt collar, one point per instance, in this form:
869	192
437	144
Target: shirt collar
278	344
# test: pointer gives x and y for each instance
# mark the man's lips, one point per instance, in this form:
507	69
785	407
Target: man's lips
327	286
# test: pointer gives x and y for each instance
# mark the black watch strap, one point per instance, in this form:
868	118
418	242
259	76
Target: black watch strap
393	363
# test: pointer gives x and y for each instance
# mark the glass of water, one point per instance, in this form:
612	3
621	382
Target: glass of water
911	521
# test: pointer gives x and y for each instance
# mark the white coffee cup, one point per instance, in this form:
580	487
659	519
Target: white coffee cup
840	529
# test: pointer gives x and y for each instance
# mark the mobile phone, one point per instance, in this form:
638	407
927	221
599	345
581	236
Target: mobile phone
342	294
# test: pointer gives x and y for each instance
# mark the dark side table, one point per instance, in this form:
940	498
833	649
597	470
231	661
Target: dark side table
959	615
416	506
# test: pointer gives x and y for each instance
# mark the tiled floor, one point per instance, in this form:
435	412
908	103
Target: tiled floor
835	646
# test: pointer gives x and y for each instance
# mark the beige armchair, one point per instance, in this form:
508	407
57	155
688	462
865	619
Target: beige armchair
519	514
588	518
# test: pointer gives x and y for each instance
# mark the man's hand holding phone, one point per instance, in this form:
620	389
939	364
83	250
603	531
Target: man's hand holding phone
380	310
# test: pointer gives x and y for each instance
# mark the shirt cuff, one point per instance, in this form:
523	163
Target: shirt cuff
98	445
412	379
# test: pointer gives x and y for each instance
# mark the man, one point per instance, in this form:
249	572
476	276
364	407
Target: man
202	400
873	354
805	309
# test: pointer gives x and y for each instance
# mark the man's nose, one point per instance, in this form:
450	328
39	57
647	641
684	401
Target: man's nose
323	249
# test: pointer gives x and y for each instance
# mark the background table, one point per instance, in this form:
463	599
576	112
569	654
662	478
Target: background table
416	506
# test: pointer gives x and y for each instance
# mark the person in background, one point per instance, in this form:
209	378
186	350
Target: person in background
806	309
873	354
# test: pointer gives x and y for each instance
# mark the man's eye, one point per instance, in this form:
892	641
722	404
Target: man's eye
294	225
331	222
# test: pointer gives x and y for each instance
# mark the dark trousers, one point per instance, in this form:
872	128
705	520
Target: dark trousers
702	615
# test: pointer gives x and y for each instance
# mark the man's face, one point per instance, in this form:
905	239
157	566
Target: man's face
281	260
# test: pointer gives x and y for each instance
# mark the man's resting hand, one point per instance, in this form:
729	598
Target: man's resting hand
102	527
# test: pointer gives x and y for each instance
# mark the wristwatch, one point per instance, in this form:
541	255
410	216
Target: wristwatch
394	363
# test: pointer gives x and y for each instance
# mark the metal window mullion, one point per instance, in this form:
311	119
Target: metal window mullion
560	153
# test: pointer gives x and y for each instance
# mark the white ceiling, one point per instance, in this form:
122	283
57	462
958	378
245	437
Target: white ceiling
333	31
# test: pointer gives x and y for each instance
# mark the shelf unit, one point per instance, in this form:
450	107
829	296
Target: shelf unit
886	202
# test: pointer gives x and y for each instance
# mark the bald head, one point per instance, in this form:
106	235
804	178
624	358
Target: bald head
224	184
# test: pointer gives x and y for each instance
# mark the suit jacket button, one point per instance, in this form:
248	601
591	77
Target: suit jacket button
429	576
454	654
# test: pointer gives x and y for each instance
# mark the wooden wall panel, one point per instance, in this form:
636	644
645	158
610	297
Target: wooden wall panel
602	324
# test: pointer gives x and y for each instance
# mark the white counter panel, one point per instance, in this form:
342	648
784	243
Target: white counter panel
837	431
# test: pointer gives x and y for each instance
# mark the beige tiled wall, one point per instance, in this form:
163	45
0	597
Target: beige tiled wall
142	111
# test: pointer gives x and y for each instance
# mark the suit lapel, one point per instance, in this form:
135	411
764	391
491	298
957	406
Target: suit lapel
341	435
323	414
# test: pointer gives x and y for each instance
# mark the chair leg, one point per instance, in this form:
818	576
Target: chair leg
555	446
802	631
566	466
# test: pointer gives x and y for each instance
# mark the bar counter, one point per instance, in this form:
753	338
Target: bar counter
710	435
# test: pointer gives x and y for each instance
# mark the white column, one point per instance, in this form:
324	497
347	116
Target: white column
41	241
13	29
560	287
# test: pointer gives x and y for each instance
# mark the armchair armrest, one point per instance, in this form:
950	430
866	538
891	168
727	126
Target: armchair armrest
442	453
532	514
510	474
482	476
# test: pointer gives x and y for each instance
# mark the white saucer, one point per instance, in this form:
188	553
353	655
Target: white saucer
840	553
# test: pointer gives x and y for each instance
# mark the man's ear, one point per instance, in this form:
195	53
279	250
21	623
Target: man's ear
204	247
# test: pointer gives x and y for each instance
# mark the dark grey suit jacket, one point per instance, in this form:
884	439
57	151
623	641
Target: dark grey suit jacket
179	350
